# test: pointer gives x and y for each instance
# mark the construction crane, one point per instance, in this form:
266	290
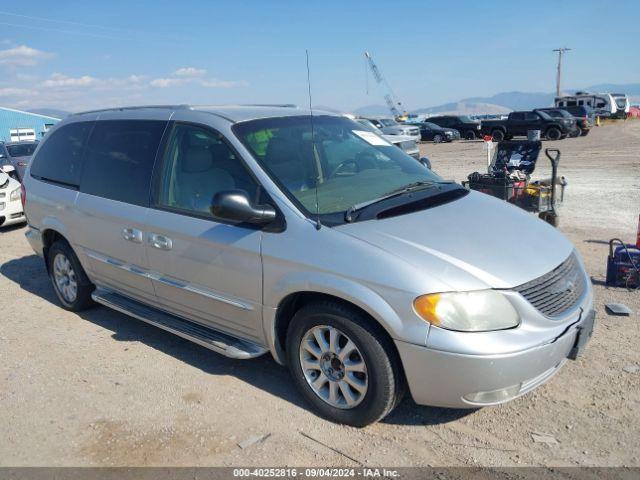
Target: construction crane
389	97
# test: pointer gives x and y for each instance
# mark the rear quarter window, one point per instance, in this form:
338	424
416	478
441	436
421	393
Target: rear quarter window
59	159
119	159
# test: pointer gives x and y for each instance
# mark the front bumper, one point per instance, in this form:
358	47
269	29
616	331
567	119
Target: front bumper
11	212
446	379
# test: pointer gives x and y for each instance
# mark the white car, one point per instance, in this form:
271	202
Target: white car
11	211
389	126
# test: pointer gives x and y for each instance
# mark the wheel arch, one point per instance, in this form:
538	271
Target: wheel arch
382	317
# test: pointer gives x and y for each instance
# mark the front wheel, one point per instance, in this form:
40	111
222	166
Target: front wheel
437	138
342	364
553	134
470	135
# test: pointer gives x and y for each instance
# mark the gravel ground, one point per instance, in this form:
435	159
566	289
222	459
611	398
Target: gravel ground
101	388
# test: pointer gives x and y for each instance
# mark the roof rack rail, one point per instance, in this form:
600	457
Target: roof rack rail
271	105
135	107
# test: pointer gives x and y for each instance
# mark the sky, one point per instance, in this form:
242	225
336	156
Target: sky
74	55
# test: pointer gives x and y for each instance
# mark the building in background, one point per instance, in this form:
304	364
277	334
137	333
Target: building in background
17	125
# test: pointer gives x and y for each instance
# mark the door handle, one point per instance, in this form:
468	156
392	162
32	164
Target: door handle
160	241
132	235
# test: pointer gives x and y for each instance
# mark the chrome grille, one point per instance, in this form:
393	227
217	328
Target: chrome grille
558	291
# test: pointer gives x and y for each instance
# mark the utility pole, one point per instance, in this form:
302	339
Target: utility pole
560	52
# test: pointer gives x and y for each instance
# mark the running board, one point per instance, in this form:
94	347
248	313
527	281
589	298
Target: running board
219	342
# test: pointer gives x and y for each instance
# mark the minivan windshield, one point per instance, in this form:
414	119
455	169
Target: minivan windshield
339	166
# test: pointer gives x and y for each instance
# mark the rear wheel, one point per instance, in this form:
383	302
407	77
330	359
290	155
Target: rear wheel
70	282
437	138
498	135
585	132
553	134
470	135
346	369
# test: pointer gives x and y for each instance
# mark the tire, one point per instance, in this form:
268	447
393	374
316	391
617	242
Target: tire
584	133
64	265
576	133
470	135
437	138
498	135
551	218
553	134
380	379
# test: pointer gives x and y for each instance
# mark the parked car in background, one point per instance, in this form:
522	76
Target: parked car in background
469	129
351	263
430	132
389	126
18	154
582	126
11	211
585	117
519	123
405	143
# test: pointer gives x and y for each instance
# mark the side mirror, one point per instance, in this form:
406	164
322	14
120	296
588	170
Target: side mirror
426	162
235	206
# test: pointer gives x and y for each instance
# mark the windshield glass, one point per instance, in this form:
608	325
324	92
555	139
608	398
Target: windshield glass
466	119
621	102
432	126
369	126
22	150
346	164
387	122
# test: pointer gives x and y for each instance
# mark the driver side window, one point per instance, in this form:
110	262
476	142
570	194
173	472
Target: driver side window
197	164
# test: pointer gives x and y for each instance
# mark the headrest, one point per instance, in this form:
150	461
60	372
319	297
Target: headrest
196	159
281	150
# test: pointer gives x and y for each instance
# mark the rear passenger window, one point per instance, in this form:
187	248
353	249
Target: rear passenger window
60	157
119	159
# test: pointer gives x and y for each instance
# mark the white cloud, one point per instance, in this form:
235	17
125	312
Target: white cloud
190	72
22	56
168	82
16	92
58	80
214	83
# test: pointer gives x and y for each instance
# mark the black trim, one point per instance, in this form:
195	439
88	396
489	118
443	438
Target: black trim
56	182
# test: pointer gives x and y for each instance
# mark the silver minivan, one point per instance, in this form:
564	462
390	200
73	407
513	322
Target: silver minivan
255	229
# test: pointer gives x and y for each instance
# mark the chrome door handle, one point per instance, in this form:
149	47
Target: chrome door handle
132	235
160	241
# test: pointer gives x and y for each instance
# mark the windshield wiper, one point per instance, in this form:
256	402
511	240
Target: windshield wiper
410	187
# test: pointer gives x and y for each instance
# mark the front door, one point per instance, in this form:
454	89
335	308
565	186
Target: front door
204	270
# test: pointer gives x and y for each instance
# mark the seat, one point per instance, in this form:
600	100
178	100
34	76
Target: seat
285	159
199	179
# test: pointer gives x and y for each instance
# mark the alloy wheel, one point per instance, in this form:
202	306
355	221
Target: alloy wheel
65	278
333	367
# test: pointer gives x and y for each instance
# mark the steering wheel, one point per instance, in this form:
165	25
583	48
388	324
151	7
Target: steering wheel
350	161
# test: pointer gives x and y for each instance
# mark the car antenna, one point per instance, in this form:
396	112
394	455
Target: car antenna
313	145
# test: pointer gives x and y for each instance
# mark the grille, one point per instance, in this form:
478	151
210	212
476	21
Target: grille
408	145
558	291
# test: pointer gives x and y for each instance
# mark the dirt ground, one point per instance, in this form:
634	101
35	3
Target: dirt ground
101	388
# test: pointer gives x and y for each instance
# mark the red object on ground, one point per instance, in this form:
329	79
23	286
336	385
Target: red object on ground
634	112
487	138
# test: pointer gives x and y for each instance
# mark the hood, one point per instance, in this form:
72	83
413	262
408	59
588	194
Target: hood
474	242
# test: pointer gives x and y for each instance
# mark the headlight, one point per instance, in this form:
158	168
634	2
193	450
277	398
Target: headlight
477	311
15	195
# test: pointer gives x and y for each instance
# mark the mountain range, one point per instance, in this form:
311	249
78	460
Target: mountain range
505	102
